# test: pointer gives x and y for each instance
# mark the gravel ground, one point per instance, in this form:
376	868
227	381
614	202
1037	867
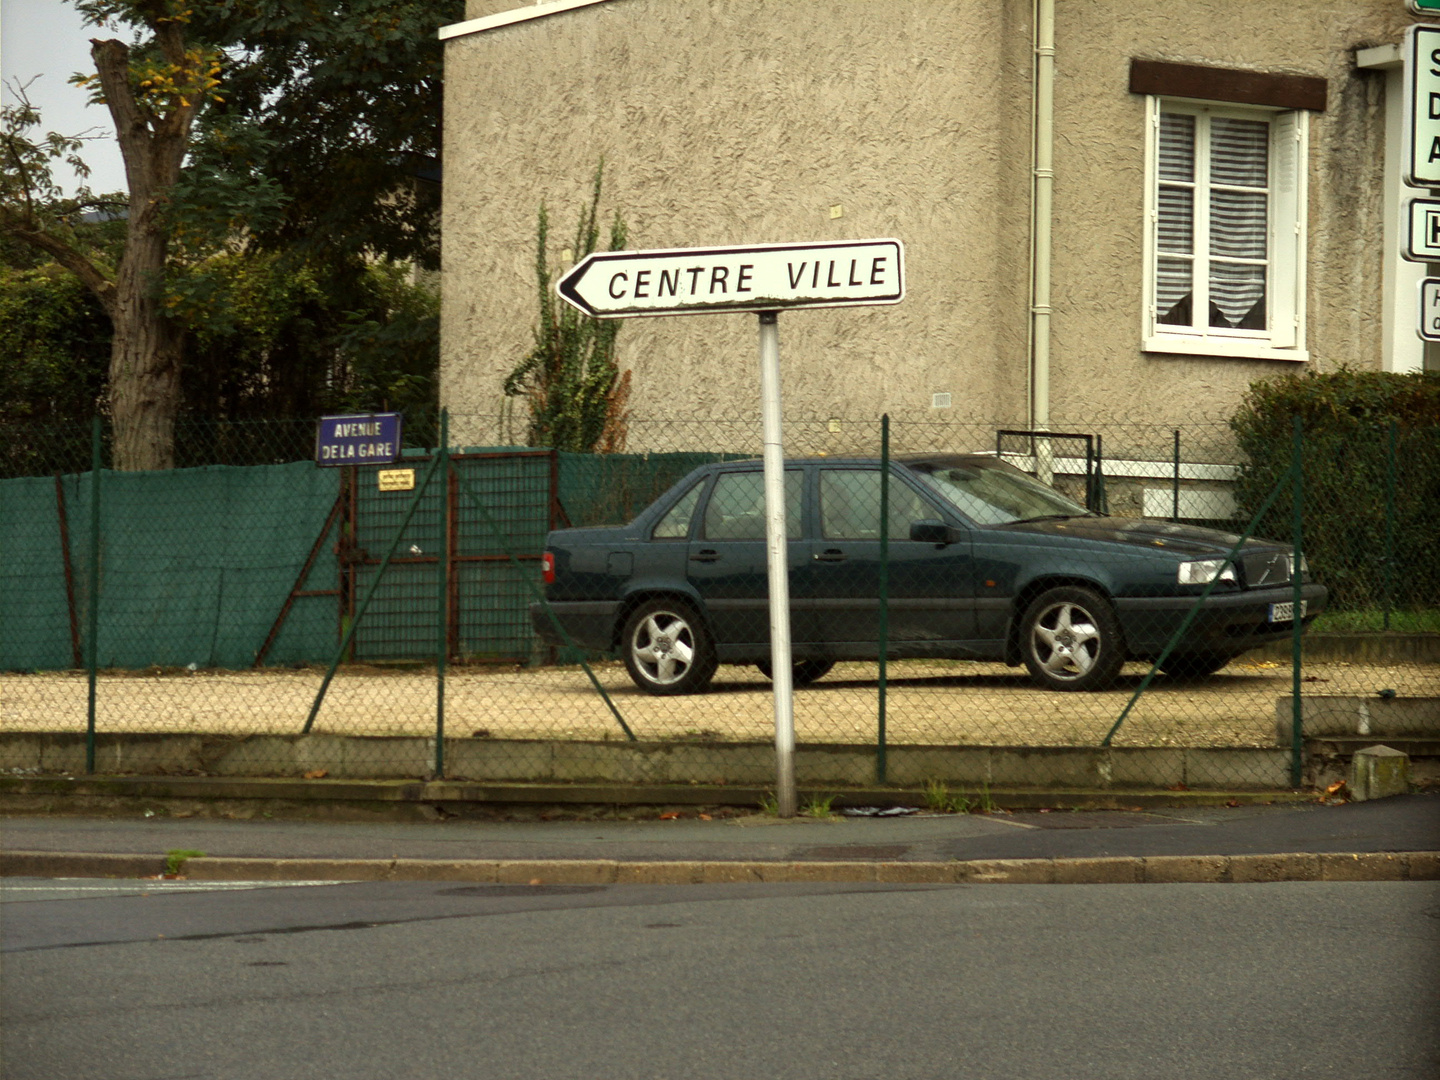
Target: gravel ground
928	703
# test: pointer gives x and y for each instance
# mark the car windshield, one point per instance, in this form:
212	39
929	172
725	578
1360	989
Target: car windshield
993	492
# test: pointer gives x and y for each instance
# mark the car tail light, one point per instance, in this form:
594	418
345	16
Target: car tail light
547	567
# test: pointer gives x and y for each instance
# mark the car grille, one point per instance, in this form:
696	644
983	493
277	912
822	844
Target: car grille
1267	568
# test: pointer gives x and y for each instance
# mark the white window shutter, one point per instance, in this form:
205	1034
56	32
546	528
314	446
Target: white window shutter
1152	223
1287	224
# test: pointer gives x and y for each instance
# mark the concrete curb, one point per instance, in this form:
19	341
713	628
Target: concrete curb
417	799
1161	869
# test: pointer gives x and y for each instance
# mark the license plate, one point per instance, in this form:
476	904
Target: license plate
1286	612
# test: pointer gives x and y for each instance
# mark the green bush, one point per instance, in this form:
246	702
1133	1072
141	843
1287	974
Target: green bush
1370	454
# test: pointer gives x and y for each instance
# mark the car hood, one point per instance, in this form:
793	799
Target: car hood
1140	532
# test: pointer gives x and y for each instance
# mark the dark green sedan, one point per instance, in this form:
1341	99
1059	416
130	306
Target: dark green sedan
984	563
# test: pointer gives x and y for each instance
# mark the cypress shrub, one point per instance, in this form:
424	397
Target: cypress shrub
1370	462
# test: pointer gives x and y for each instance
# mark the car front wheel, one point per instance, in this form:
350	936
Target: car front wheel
1070	639
667	648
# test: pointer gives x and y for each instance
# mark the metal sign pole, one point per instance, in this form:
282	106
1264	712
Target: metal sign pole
761	278
778	563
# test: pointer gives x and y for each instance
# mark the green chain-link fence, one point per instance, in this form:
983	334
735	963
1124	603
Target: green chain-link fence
269	606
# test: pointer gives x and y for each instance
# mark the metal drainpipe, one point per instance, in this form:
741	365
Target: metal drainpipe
1043	191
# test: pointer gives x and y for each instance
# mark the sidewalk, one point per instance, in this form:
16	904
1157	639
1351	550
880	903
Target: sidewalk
1388	839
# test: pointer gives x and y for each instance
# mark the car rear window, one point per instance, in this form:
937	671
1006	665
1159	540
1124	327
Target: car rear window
675	525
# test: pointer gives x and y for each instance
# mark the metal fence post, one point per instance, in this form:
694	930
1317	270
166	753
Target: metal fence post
1297	712
1175	482
884	642
1389	575
92	632
1102	498
442	574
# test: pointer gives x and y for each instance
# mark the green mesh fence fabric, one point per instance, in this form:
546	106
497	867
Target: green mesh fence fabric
195	566
34	612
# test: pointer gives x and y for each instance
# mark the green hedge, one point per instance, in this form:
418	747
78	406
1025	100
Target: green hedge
1371	469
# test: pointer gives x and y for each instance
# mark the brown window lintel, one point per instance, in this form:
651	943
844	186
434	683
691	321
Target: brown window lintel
1227	84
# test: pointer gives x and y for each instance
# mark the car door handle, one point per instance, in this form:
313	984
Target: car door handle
832	555
705	556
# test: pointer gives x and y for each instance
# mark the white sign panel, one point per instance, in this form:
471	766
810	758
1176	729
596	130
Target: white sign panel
1422	106
1430	308
762	277
1422	244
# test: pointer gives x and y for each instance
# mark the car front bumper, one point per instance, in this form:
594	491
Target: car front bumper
1227	623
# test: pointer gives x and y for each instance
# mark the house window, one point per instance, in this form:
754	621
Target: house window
1225	243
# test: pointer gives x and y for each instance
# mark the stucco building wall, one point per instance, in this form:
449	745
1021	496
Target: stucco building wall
738	121
1099	366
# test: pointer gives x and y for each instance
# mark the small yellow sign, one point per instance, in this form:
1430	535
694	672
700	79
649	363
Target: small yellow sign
397	479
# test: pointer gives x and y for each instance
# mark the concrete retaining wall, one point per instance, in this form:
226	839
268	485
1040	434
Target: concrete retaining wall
1346	714
1357	648
494	760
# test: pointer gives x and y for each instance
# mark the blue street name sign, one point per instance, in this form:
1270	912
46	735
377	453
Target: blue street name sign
371	439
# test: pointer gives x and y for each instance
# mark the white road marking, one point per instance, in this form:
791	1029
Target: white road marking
131	887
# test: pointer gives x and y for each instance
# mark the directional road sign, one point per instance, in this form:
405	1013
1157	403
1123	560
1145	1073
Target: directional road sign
1430	308
1424	7
760	277
1422	242
1422	106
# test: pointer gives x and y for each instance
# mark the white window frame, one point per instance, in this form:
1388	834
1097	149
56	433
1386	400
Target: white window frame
1284	336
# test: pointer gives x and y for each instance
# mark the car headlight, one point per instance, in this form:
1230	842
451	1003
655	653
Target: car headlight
1204	571
1304	566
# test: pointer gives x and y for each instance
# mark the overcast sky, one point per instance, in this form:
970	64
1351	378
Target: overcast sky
43	42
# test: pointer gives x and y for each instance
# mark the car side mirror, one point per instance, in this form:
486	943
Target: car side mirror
931	531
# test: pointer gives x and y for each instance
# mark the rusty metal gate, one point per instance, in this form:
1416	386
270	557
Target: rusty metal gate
493	509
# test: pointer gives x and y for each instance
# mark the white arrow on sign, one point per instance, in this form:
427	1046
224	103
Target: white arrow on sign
761	277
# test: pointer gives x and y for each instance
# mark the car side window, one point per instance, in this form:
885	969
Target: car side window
850	506
736	510
675	525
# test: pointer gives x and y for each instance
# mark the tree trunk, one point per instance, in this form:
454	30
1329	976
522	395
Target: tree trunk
145	356
147	345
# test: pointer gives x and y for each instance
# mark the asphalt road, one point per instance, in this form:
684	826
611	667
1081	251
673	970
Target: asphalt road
144	981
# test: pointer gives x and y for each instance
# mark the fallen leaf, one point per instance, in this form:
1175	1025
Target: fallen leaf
1177	787
670	815
1336	794
705	817
1233	802
534	881
316	774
